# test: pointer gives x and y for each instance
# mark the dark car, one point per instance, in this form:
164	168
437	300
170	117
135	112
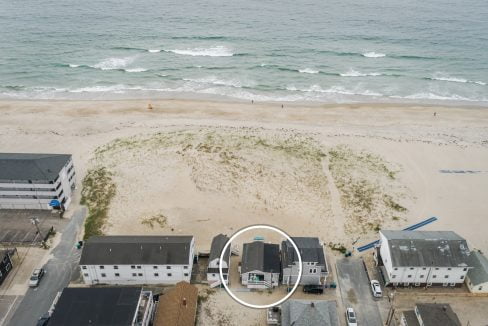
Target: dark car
44	320
316	289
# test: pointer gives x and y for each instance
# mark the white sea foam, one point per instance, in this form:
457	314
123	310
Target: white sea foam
114	63
354	73
433	96
441	77
154	50
374	55
217	81
334	90
308	71
109	89
216	51
135	70
73	66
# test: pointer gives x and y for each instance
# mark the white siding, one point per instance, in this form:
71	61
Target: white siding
213	277
311	273
480	288
268	277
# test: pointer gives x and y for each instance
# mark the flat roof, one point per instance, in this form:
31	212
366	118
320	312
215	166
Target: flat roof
137	250
427	248
309	313
479	273
19	166
435	314
113	306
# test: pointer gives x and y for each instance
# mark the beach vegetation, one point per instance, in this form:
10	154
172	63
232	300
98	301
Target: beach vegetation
151	221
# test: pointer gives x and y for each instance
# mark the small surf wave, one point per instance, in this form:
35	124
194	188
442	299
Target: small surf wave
154	50
308	71
216	51
456	80
334	89
217	81
354	73
135	70
438	97
374	55
113	63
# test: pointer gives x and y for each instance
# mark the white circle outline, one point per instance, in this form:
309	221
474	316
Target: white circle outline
227	244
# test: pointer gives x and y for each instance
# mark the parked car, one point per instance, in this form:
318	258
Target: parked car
351	317
317	289
376	288
36	277
44	320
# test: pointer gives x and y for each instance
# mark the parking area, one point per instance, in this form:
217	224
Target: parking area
356	293
17	228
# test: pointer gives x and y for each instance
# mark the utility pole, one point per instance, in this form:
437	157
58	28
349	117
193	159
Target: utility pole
391	312
35	221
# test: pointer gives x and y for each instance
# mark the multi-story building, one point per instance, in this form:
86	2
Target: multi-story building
430	314
477	278
260	266
36	181
314	265
422	258
137	259
106	306
213	276
5	264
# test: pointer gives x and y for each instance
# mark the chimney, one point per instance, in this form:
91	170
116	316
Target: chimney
184	302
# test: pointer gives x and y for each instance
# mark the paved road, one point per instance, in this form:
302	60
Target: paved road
60	269
356	293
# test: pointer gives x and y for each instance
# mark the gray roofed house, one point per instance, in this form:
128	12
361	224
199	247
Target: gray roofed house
260	265
135	250
477	278
430	314
309	313
427	248
34	167
409	318
218	243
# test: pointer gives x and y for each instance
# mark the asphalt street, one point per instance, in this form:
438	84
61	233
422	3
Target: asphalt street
60	269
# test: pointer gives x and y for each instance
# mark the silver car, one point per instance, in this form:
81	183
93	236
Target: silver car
36	277
376	289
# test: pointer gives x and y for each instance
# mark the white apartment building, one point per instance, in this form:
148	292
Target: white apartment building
422	258
137	259
213	277
314	265
36	181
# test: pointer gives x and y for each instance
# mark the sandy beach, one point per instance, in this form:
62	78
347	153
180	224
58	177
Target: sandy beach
338	172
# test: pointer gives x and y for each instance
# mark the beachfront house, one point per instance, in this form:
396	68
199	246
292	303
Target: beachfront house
103	306
260	266
5	264
137	259
213	277
314	265
178	306
430	314
477	278
422	258
36	181
308	313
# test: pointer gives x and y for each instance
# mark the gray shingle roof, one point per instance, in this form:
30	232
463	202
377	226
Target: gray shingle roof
260	256
218	243
309	313
136	250
96	306
435	314
427	248
479	273
17	166
411	318
310	249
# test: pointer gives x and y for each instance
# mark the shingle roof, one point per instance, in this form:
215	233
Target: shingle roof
136	250
178	307
17	166
310	249
435	314
479	273
309	313
260	256
218	243
427	248
411	318
96	306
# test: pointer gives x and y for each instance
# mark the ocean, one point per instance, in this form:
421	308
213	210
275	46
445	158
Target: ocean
422	51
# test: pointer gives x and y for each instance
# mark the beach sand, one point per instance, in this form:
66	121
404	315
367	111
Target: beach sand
338	172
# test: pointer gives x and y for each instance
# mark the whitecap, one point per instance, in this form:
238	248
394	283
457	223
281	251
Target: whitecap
308	71
374	55
154	50
216	81
114	63
433	96
216	51
441	77
354	73
73	66
135	70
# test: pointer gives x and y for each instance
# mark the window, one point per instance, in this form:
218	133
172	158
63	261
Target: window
409	276
437	268
186	274
85	274
138	267
140	274
393	276
465	269
446	276
434	276
169	274
314	270
462	277
311	271
424	268
117	274
186	267
155	267
422	276
156	274
411	268
213	274
134	274
396	268
102	267
116	267
83	267
104	275
132	267
449	268
168	267
480	288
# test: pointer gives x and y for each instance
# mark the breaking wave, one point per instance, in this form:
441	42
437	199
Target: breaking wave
216	51
373	55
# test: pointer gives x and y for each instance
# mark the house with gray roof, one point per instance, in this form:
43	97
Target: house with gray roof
260	266
218	243
309	313
477	278
137	259
422	258
314	265
36	181
430	314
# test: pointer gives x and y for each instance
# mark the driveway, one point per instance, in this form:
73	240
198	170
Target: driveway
356	293
60	269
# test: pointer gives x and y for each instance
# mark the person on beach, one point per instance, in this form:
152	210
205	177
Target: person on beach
435	114
149	106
